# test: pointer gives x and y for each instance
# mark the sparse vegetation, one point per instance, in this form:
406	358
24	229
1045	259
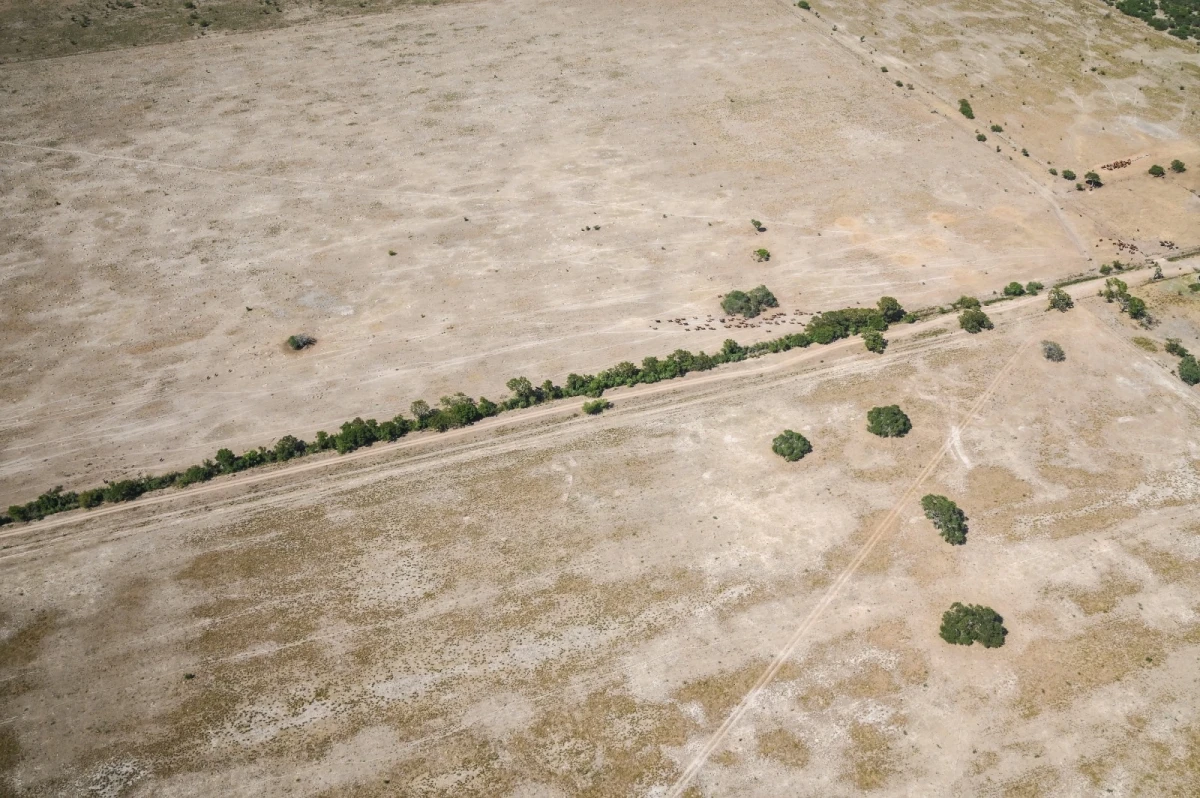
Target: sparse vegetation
1093	180
1177	166
947	518
874	341
980	137
1033	286
1053	171
791	446
758	226
1068	174
964	624
965	302
804	5
762	255
965	109
749	303
1156	171
596	406
300	341
1014	289
1053	352
1142	342
888	422
974	321
997	129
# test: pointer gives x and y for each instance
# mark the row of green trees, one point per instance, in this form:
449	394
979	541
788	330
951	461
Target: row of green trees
460	410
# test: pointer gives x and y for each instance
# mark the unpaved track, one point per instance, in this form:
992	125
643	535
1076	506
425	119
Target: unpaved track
877	535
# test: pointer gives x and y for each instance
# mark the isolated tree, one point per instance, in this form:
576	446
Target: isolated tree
1135	307
947	518
964	624
1177	166
1068	174
1053	352
757	225
1092	179
1189	370
874	341
1115	289
1014	289
1060	300
791	446
888	422
974	321
1156	171
741	303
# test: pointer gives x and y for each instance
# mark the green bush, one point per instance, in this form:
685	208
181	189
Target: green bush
965	302
596	406
1189	370
1176	348
1093	180
836	324
1053	171
757	225
974	321
791	446
1105	269
1033	286
891	309
762	255
1068	174
964	108
947	518
1025	152
1177	166
1053	352
1156	171
980	137
874	341
300	341
804	4
749	304
997	129
1135	307
966	624
1014	289
888	422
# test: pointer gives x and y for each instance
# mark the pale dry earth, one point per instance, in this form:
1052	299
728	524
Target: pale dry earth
192	205
560	605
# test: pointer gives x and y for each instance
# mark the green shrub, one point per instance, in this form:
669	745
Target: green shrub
964	108
1177	166
888	422
966	624
1025	152
791	446
874	341
949	521
300	341
1135	307
965	302
891	309
804	5
997	129
1053	171
1014	289
836	324
1092	179
757	225
749	304
1068	174
1033	286
1189	370
596	406
980	137
1176	348
883	69
1053	352
762	255
1105	269
1156	171
900	84
974	321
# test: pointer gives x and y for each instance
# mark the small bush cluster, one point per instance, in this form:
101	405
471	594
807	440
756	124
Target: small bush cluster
947	518
888	422
1053	352
791	446
964	624
749	303
974	321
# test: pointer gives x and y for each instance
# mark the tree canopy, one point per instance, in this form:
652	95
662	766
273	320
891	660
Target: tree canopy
888	422
964	624
791	446
749	303
947	518
974	321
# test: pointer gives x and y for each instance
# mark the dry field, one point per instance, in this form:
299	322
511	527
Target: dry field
648	602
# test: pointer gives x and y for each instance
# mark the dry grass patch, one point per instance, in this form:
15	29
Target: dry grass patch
784	747
870	761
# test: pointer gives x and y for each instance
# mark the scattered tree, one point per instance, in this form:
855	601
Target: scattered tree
888	422
1092	179
974	321
966	624
757	225
1060	300
1014	289
1053	352
1053	171
1176	348
762	255
300	341
791	446
804	5
1177	166
964	108
891	309
950	521
874	341
980	137
1068	174
749	304
1156	171
1189	370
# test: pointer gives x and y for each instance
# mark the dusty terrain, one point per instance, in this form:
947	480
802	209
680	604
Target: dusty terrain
553	604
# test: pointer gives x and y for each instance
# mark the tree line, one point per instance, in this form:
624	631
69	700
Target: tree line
461	410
